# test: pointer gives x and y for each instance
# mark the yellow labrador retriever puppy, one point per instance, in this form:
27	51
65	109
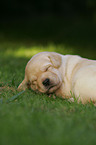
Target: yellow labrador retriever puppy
50	72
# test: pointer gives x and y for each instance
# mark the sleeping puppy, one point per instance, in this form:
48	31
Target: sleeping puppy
50	72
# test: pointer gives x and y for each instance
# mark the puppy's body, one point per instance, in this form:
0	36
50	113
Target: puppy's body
79	78
50	72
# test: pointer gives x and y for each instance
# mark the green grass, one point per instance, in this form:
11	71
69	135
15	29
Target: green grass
33	118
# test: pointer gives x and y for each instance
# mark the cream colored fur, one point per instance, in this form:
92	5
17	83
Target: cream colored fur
68	74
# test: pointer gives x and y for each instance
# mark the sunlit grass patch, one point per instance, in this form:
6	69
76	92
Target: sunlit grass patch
17	50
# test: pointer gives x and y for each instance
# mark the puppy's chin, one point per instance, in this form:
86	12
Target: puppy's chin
54	88
50	89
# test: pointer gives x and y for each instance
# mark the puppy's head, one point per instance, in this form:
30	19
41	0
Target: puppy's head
42	73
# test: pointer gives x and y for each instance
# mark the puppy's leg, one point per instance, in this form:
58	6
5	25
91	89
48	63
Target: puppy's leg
71	100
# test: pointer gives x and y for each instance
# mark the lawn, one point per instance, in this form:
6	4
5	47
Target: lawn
33	118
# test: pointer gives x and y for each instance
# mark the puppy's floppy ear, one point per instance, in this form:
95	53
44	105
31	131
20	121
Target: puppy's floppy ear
55	59
23	85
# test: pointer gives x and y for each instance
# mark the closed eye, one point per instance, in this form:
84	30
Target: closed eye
47	68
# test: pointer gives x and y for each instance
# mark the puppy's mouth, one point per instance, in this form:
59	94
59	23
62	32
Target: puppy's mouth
50	89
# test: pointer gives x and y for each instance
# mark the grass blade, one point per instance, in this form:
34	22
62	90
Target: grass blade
15	97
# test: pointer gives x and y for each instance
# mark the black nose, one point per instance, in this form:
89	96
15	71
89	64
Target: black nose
46	82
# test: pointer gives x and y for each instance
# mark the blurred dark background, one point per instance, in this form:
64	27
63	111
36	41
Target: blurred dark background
67	8
71	23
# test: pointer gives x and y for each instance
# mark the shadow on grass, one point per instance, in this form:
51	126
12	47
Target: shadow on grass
47	34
